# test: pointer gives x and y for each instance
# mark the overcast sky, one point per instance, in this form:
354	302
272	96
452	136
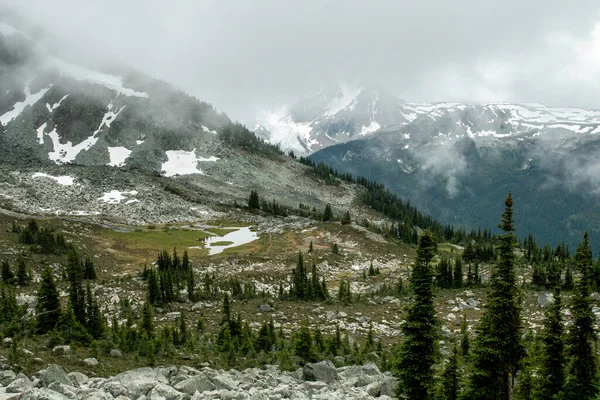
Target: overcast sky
249	54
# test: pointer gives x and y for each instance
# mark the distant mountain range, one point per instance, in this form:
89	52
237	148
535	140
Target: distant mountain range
348	112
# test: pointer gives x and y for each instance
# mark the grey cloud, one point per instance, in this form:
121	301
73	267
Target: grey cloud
242	55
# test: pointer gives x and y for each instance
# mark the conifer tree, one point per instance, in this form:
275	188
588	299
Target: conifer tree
191	283
76	291
450	384
328	214
551	372
497	349
582	370
253	200
154	292
304	347
7	274
346	219
95	322
414	365
48	305
89	272
23	277
457	278
147	320
71	330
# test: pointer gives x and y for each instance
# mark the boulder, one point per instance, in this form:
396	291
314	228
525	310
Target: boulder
90	362
544	299
61	350
322	371
116	353
224	382
471	302
7	377
66	390
54	373
19	385
167	392
388	387
137	382
197	383
264	308
43	394
78	378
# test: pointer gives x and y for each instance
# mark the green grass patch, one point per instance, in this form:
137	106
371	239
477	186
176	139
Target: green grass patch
145	245
221	243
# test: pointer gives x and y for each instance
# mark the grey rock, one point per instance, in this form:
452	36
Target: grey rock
7	342
224	382
388	387
471	302
116	353
19	385
316	385
544	299
78	378
6	377
62	350
198	383
8	396
54	373
90	362
322	371
137	382
43	394
168	393
66	390
373	389
264	308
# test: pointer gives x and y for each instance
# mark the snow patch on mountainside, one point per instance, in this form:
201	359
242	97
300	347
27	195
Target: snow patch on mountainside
64	180
374	126
30	99
118	155
181	162
116	196
55	105
67	152
205	129
80	73
40	133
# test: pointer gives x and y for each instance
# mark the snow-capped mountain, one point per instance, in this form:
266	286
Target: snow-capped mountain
333	115
350	112
56	111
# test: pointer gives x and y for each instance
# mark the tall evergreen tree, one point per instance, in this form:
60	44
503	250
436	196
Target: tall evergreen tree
7	274
552	365
328	214
191	282
414	365
48	305
89	272
154	292
95	322
147	320
450	384
457	279
253	200
76	291
582	370
23	277
497	349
